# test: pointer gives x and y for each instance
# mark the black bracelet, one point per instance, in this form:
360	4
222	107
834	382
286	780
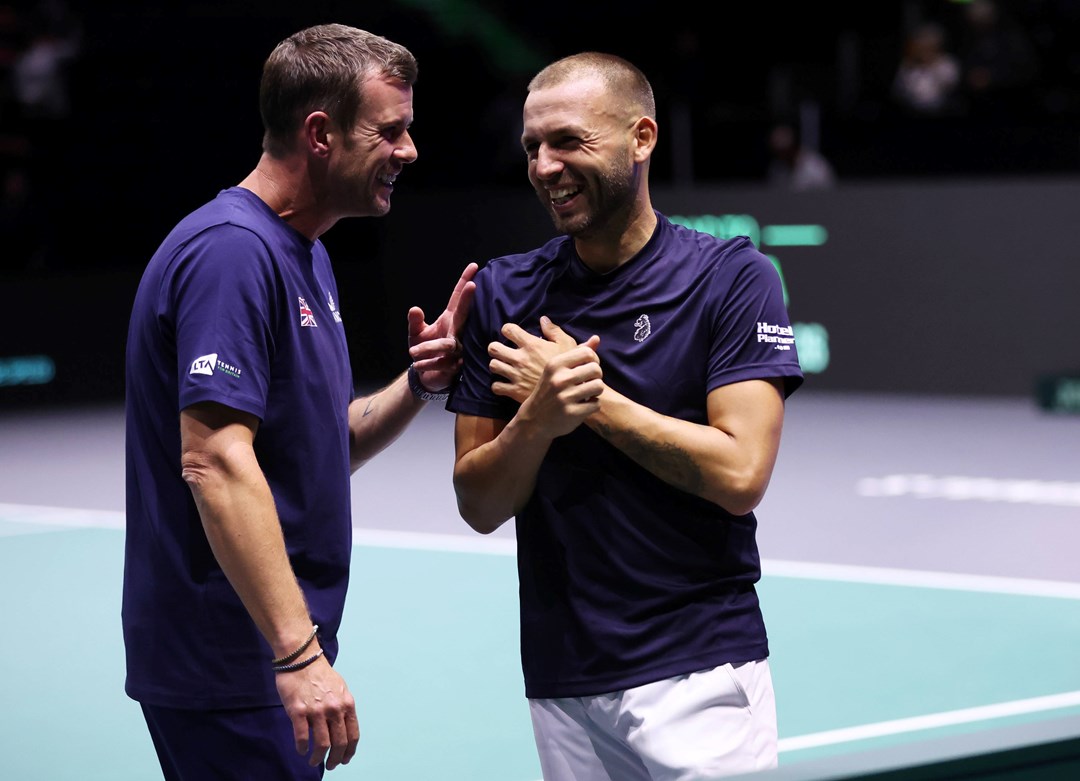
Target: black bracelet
419	391
288	668
298	651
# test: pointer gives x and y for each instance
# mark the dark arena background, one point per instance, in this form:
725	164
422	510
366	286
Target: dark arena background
940	261
928	489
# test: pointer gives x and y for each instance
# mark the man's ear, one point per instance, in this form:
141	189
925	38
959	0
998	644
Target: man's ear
317	129
644	139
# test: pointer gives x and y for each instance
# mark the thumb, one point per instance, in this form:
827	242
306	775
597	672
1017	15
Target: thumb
416	324
554	333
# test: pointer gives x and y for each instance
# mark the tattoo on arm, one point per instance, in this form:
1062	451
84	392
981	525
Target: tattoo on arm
670	463
369	407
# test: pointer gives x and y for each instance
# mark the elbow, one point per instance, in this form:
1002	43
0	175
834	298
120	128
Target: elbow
741	505
204	481
742	493
484	528
208	471
196	471
480	516
480	519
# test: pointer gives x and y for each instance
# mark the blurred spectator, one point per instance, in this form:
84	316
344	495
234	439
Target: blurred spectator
40	83
998	60
928	78
41	71
795	166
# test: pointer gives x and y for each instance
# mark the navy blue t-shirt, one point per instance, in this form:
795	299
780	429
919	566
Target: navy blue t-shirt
625	580
235	307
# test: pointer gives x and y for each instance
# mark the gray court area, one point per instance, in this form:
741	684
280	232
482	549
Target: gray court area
920	583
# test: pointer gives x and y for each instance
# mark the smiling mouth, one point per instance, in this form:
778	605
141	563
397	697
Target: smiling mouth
562	195
388	180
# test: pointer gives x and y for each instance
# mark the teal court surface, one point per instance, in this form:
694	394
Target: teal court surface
862	658
913	593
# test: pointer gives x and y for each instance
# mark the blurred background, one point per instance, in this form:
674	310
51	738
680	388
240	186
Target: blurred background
912	168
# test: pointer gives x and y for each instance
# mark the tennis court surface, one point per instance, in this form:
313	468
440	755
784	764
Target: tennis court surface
920	586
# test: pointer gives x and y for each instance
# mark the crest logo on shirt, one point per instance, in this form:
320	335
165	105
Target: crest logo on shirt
307	317
333	307
643	328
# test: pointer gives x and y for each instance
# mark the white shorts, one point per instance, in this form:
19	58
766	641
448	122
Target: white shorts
694	727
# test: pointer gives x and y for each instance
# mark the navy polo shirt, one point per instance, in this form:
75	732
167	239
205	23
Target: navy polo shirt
235	307
625	580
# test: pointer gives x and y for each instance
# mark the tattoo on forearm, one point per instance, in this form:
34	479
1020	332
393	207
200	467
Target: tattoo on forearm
369	407
670	463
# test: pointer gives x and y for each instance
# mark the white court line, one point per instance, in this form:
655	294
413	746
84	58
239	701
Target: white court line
472	542
931	721
770	567
66	517
59	518
886	576
963	487
478	543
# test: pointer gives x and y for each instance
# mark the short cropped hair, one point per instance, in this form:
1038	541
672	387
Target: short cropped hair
323	68
620	76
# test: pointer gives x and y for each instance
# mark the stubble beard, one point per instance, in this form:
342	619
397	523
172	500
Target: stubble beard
615	188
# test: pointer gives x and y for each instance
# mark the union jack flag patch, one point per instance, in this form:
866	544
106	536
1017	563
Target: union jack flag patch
307	317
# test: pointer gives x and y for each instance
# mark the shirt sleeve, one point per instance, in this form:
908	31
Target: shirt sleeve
223	295
472	394
753	337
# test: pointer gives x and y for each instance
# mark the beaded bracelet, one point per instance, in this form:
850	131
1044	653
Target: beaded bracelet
298	651
288	668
